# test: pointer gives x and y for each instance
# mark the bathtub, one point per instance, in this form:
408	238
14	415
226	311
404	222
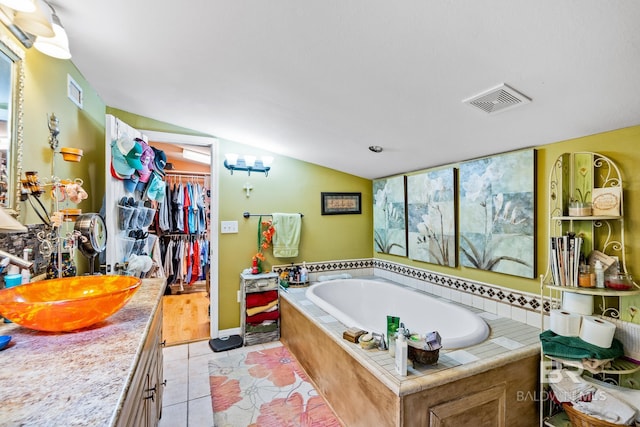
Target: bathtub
366	303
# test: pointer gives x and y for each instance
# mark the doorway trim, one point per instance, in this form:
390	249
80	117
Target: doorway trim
212	143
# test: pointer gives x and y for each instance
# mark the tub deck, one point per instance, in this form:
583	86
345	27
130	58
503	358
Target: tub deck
364	389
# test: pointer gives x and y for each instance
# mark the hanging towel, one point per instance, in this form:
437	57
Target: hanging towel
287	235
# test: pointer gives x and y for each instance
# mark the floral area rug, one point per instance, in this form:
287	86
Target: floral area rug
265	388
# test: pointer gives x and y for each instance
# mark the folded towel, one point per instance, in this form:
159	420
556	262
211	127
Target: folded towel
261	317
255	310
287	236
257	299
607	407
569	387
575	348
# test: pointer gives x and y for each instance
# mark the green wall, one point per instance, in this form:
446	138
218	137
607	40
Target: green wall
619	145
292	186
45	92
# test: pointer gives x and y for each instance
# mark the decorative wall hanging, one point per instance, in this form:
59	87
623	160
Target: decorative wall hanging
389	220
341	203
431	212
497	213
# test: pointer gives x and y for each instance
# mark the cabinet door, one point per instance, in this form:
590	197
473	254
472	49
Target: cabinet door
482	409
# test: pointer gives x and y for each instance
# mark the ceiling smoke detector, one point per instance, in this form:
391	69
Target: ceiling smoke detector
497	99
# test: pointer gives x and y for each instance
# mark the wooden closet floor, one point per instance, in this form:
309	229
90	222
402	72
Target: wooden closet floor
185	318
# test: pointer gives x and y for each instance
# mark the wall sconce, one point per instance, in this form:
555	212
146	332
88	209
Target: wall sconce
37	19
248	163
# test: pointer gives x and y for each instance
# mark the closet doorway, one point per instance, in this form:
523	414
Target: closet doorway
187	316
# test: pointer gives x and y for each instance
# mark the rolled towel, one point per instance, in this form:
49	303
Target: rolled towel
334	277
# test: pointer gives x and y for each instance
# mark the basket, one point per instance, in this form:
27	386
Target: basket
419	355
580	419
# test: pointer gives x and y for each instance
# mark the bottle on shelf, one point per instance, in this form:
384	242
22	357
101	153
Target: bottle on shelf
402	353
598	269
304	273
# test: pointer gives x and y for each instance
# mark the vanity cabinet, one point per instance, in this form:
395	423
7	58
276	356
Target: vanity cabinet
143	400
264	288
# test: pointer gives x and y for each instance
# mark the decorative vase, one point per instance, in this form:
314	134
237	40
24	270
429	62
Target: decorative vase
580	209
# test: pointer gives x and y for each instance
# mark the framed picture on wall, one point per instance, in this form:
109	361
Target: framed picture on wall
389	219
431	213
496	201
341	203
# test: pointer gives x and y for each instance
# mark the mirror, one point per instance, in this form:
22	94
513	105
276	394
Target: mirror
11	111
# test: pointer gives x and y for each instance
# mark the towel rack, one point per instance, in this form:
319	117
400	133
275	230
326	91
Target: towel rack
247	215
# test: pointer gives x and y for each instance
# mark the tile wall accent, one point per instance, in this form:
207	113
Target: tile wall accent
517	305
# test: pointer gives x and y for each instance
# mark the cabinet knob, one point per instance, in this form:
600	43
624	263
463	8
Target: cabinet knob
163	343
164	383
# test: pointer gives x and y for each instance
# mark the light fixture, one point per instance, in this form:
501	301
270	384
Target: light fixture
375	148
248	163
20	5
9	224
37	22
196	156
58	45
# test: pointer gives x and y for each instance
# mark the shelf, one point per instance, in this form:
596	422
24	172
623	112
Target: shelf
606	292
587	218
561	419
618	366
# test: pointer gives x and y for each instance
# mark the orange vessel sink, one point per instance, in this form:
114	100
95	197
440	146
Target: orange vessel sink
68	303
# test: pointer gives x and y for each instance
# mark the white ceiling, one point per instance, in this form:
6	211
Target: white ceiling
321	81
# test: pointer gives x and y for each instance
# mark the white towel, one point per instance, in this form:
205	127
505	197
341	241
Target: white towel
605	406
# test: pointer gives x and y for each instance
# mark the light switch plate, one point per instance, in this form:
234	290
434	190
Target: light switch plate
228	227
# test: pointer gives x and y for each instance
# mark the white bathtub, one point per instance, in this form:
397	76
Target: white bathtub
366	303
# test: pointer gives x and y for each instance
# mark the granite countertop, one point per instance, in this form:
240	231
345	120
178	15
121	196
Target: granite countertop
75	378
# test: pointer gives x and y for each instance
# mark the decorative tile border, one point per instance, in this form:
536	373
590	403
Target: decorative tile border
524	300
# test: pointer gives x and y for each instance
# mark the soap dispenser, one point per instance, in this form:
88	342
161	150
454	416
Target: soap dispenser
402	353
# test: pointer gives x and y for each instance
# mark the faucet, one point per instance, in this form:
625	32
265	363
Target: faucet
382	343
15	260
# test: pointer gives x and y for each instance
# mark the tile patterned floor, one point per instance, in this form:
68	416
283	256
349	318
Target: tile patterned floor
187	395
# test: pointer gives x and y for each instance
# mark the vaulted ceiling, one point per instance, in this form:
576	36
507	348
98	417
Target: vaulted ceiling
321	81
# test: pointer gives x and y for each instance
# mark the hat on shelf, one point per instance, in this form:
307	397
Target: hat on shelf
146	159
159	161
120	168
131	183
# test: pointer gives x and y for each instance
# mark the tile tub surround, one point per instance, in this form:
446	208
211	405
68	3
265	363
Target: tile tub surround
76	378
517	305
357	381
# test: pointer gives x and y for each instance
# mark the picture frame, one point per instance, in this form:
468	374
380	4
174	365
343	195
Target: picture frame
340	203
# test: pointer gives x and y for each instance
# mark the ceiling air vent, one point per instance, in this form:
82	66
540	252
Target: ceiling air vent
499	98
